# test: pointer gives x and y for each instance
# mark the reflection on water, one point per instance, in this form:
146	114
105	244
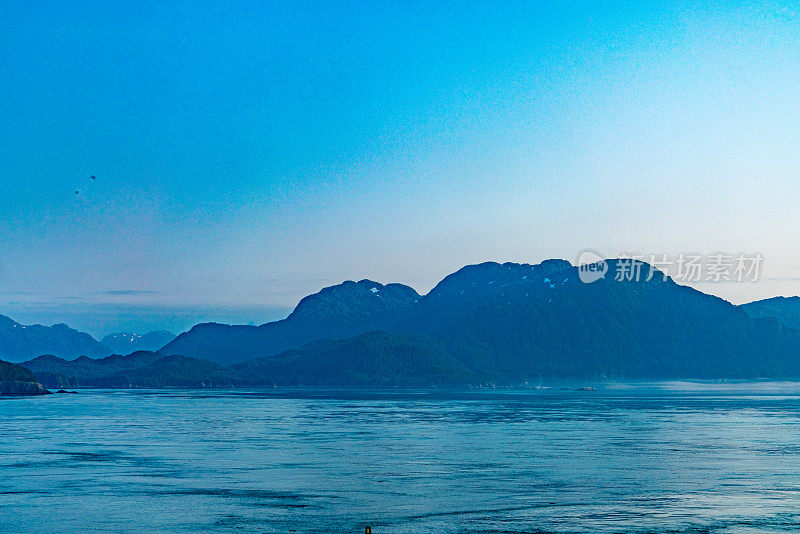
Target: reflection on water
677	457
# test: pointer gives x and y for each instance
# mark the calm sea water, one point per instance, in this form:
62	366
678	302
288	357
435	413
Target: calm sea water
662	458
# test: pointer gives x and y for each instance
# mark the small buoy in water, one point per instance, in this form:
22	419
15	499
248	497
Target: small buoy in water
368	530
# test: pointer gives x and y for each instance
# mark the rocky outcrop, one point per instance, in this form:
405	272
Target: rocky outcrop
16	380
21	388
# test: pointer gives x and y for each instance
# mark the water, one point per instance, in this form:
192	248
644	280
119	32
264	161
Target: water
663	458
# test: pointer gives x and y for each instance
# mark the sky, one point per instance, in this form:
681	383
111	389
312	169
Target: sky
249	153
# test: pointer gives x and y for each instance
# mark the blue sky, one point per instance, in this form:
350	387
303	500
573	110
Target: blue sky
249	153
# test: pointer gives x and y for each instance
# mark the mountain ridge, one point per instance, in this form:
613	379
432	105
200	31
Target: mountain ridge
20	342
142	369
335	312
511	320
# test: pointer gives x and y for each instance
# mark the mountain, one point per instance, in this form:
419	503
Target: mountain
616	329
138	370
20	342
128	342
475	285
374	359
354	308
336	312
785	310
506	323
16	380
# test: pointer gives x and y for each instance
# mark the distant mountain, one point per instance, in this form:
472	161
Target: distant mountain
20	342
375	359
138	370
16	380
128	342
336	312
785	310
505	323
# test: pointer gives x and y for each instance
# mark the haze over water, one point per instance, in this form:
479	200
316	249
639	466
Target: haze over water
662	458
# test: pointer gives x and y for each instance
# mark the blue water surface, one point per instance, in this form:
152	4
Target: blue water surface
644	458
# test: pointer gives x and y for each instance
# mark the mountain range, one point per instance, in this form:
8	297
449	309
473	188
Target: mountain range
489	323
511	322
375	359
142	369
21	342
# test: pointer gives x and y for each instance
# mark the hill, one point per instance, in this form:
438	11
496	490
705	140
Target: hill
138	370
170	371
375	359
57	372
